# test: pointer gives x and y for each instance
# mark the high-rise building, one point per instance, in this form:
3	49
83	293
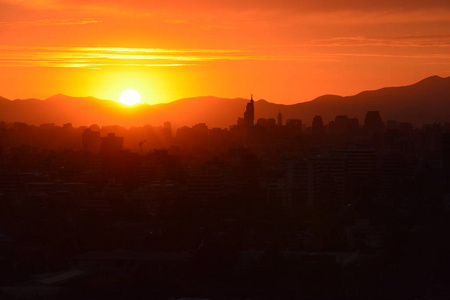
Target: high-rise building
280	119
373	122
249	114
343	125
317	125
374	128
91	140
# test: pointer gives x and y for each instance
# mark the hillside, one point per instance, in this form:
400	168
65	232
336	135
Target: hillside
426	101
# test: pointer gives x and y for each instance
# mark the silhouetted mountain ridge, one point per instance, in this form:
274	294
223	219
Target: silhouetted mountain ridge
426	101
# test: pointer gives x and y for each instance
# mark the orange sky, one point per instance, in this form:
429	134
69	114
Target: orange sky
284	51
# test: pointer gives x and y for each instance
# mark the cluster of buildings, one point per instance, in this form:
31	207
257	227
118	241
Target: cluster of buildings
329	195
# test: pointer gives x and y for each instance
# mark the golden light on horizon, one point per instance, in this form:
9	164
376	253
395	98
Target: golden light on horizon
130	97
200	48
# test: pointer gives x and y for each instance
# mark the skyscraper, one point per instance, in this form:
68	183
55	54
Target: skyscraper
373	122
317	125
280	119
373	128
249	114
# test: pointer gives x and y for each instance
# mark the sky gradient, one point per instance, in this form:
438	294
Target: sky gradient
284	51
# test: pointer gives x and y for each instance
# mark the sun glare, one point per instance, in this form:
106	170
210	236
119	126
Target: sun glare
130	97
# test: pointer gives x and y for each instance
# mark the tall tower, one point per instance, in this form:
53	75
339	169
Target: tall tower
249	114
280	119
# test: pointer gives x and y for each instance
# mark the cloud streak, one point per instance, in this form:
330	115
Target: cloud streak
296	5
99	58
396	41
50	22
95	58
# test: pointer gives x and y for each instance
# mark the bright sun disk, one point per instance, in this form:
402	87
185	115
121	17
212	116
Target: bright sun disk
130	97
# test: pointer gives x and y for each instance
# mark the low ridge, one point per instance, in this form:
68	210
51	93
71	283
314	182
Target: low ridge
426	101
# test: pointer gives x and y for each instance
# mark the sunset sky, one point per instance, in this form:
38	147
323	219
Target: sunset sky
284	51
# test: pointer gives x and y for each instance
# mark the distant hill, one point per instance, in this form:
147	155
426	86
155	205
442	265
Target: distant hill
426	101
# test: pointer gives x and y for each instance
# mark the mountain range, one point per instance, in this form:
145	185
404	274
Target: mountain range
427	101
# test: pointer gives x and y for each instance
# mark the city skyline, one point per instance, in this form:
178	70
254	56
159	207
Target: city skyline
224	150
266	209
419	103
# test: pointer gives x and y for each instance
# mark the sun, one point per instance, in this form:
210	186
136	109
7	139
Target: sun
130	97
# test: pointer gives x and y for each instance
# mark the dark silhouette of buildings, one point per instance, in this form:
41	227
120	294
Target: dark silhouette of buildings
294	126
280	119
373	122
91	140
317	125
374	127
286	211
249	114
167	130
111	144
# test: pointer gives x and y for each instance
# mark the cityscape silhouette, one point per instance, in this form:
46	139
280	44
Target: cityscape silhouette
224	150
264	209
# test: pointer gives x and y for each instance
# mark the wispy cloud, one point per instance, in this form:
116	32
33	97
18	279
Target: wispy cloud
98	58
395	41
324	5
91	57
51	22
405	56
